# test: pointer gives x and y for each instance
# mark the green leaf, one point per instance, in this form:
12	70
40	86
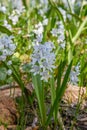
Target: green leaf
2	17
52	89
64	83
59	75
57	11
3	73
80	29
60	93
39	90
26	67
5	30
72	14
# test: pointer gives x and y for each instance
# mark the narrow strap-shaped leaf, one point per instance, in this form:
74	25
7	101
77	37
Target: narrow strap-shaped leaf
39	90
60	94
79	30
53	94
57	10
18	80
85	65
65	80
59	75
59	78
5	30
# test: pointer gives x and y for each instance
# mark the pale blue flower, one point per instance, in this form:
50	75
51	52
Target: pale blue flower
54	32
35	69
12	47
74	78
14	18
45	76
2	58
45	21
5	52
74	75
7	47
9	72
9	62
43	60
16	13
38	29
39	37
61	35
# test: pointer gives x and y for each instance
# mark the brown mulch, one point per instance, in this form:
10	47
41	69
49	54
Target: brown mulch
8	110
74	93
2	128
13	92
9	113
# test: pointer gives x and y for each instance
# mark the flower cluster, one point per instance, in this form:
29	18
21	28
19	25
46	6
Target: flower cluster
14	17
40	26
7	47
54	32
74	74
43	60
59	33
38	31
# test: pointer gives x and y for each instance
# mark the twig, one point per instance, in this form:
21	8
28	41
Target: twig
8	86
